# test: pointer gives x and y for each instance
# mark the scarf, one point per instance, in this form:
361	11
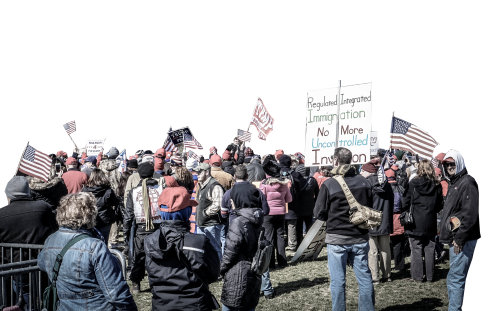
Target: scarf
343	169
145	205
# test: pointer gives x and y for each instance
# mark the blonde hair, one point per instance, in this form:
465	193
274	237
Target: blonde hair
425	169
183	175
77	210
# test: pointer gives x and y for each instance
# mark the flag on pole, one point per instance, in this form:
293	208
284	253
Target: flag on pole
262	120
409	137
191	142
35	163
244	136
168	145
193	155
122	161
70	127
382	178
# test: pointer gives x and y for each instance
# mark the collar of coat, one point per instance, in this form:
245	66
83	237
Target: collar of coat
344	169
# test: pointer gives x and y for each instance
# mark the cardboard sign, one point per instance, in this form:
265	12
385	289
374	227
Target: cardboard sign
313	243
373	143
94	147
354	123
177	136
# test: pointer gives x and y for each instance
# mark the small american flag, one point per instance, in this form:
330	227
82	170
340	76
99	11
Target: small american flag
390	158
169	146
191	142
70	127
409	137
191	154
434	162
244	136
35	163
176	159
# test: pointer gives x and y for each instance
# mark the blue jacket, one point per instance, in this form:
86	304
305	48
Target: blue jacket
90	277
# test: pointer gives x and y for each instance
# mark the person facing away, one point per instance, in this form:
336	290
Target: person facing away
462	202
51	191
180	264
111	168
255	170
90	277
73	178
425	198
345	240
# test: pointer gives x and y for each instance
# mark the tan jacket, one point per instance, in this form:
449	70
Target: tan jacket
225	179
134	180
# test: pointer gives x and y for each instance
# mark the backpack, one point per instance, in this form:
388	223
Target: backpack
262	257
401	180
50	298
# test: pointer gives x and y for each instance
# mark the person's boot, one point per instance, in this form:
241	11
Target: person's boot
136	288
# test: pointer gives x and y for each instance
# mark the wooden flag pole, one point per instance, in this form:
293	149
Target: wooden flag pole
19	164
73	141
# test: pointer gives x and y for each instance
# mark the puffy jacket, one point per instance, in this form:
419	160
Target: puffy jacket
383	200
90	277
51	192
277	195
255	171
241	287
462	201
225	179
172	285
106	200
427	202
111	170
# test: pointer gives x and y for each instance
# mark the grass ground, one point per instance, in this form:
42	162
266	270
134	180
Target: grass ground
306	286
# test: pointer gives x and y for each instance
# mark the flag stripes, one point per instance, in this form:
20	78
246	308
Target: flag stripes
35	163
70	127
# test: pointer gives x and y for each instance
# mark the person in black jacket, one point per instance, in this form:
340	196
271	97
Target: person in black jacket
106	199
380	240
305	205
462	202
255	170
424	198
241	287
51	191
180	265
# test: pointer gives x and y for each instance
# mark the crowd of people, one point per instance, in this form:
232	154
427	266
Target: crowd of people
190	222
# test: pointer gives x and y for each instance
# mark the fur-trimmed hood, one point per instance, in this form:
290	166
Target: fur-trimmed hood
38	184
272	180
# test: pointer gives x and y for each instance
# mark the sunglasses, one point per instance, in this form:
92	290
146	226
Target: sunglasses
452	164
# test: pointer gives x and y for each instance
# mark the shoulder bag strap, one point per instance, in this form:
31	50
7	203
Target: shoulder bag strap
60	256
353	204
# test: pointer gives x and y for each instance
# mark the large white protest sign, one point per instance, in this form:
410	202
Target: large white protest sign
373	143
354	123
94	146
313	242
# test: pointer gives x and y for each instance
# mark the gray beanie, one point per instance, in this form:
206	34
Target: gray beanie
18	188
113	153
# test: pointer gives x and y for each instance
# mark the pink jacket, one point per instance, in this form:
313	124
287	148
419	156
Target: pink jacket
277	194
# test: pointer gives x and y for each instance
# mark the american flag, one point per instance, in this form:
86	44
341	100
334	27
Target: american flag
176	159
434	162
191	154
70	127
169	146
390	158
409	137
244	136
35	163
191	142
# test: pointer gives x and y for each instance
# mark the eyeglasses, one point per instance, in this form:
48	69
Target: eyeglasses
452	164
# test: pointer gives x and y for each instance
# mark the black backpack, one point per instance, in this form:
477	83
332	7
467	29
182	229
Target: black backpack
402	180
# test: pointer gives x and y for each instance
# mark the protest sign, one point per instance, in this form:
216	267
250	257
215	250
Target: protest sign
373	143
313	243
177	136
94	146
354	123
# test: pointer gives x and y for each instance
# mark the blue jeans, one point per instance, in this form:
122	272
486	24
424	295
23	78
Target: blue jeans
213	233
223	235
459	267
224	308
337	261
266	285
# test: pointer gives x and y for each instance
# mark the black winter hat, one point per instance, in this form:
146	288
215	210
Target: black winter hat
146	170
271	168
133	163
148	152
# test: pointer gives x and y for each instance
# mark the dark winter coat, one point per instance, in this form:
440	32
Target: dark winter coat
383	200
427	202
462	201
106	199
173	286
298	182
51	192
227	166
255	171
307	198
241	286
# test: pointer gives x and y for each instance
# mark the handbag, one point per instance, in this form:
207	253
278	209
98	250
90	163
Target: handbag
406	217
361	216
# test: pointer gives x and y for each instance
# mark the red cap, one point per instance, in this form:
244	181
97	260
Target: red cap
226	155
440	157
71	161
160	153
450	159
215	160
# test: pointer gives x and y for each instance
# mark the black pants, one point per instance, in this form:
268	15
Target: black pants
422	247
308	220
398	242
138	270
274	226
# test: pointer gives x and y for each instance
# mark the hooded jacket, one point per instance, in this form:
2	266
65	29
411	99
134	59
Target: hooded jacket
241	287
255	171
51	192
462	201
277	195
383	200
308	195
106	199
227	166
110	169
427	202
173	286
